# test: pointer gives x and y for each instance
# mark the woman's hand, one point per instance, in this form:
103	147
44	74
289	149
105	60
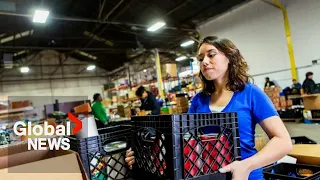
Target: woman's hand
240	170
130	159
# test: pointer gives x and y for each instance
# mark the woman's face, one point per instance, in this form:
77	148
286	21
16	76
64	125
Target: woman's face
213	63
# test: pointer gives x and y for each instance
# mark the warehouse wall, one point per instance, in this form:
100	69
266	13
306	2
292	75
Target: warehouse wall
74	87
258	31
67	80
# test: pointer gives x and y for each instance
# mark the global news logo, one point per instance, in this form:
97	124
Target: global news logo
46	132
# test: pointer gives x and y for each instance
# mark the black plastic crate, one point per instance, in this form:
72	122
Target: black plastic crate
302	140
291	113
315	113
286	171
184	146
103	156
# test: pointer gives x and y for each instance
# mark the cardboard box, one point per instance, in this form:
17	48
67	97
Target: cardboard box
124	111
132	94
289	103
169	70
275	95
306	153
275	100
268	89
83	108
16	163
20	104
311	102
114	98
283	103
272	89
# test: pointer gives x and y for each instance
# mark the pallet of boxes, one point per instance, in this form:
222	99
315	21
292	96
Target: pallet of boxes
278	101
182	105
283	106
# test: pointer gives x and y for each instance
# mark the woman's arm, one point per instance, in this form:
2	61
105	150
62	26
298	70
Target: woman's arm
264	113
279	145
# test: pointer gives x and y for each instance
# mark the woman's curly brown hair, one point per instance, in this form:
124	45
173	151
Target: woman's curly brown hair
237	69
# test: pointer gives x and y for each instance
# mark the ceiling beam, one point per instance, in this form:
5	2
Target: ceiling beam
54	65
113	9
82	70
26	64
47	79
106	18
61	62
101	9
109	50
177	7
270	3
74	19
60	48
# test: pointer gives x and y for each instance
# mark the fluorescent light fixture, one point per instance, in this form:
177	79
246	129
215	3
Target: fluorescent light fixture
24	69
16	36
181	58
91	67
187	43
40	16
19	53
98	38
156	26
86	54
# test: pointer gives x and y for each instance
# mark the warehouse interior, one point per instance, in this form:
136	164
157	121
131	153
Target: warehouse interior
58	61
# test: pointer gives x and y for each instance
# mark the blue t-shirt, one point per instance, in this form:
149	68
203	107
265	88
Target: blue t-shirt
252	106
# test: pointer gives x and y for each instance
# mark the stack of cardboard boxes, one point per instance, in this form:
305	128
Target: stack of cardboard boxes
278	101
124	111
169	70
17	162
182	104
132	93
20	104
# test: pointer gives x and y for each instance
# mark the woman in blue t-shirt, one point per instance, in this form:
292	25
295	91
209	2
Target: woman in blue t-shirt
224	74
226	88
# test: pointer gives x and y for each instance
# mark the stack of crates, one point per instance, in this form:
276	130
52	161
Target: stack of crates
286	171
185	146
103	156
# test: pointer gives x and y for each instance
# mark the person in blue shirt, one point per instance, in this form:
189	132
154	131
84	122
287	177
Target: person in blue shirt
226	88
296	84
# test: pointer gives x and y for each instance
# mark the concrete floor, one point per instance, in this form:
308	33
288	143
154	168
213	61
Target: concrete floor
312	131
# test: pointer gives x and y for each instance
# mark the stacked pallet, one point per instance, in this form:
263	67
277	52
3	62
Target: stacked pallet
278	101
124	111
182	104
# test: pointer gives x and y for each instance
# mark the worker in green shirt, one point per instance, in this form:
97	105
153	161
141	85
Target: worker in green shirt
98	110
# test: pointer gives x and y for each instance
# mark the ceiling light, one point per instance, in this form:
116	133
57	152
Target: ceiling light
19	53
24	69
86	54
91	67
144	70
187	43
156	26
181	58
40	16
16	36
